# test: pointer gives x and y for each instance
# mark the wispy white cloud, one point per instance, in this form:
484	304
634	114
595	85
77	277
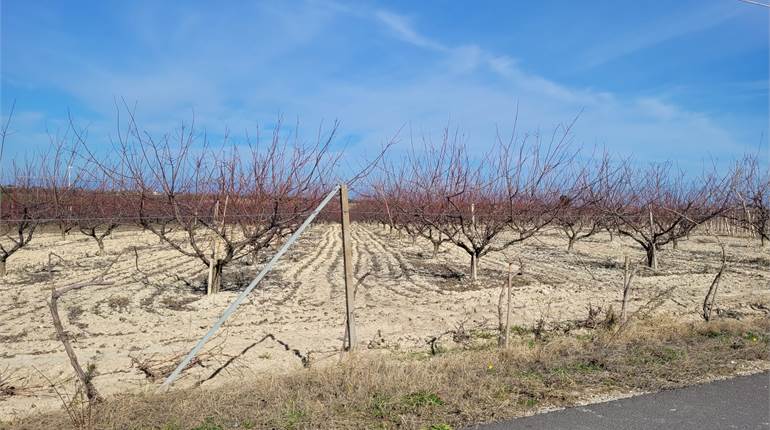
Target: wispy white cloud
402	28
671	24
304	61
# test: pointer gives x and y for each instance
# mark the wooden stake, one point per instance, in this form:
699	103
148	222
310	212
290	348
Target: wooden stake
212	261
85	379
508	307
347	260
628	276
708	302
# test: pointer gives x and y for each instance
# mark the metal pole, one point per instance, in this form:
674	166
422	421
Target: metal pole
241	297
347	259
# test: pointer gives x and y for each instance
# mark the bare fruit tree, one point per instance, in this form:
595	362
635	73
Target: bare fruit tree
60	176
581	216
99	209
486	203
23	205
395	205
220	204
456	196
752	190
657	206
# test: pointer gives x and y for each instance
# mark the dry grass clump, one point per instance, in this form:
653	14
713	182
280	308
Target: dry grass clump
454	388
118	303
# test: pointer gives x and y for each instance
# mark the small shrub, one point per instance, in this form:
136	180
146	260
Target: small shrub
530	374
588	366
668	354
422	398
659	356
178	304
519	330
486	335
611	318
73	313
381	405
753	337
293	417
715	334
118	303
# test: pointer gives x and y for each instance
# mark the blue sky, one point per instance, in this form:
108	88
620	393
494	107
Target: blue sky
680	80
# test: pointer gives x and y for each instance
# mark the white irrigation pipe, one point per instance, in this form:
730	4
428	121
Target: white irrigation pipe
241	297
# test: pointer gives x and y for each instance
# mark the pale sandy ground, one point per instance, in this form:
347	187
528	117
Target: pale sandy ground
406	298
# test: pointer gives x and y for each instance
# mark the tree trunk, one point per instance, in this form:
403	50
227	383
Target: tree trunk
436	246
100	242
652	257
215	277
570	244
474	267
2	268
652	252
675	244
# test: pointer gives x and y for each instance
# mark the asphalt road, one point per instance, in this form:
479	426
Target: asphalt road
738	403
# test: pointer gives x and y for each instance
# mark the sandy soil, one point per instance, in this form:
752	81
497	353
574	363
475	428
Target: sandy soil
159	310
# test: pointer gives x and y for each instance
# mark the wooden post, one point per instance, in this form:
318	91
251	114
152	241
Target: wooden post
627	278
708	302
508	308
210	288
474	257
85	379
347	260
